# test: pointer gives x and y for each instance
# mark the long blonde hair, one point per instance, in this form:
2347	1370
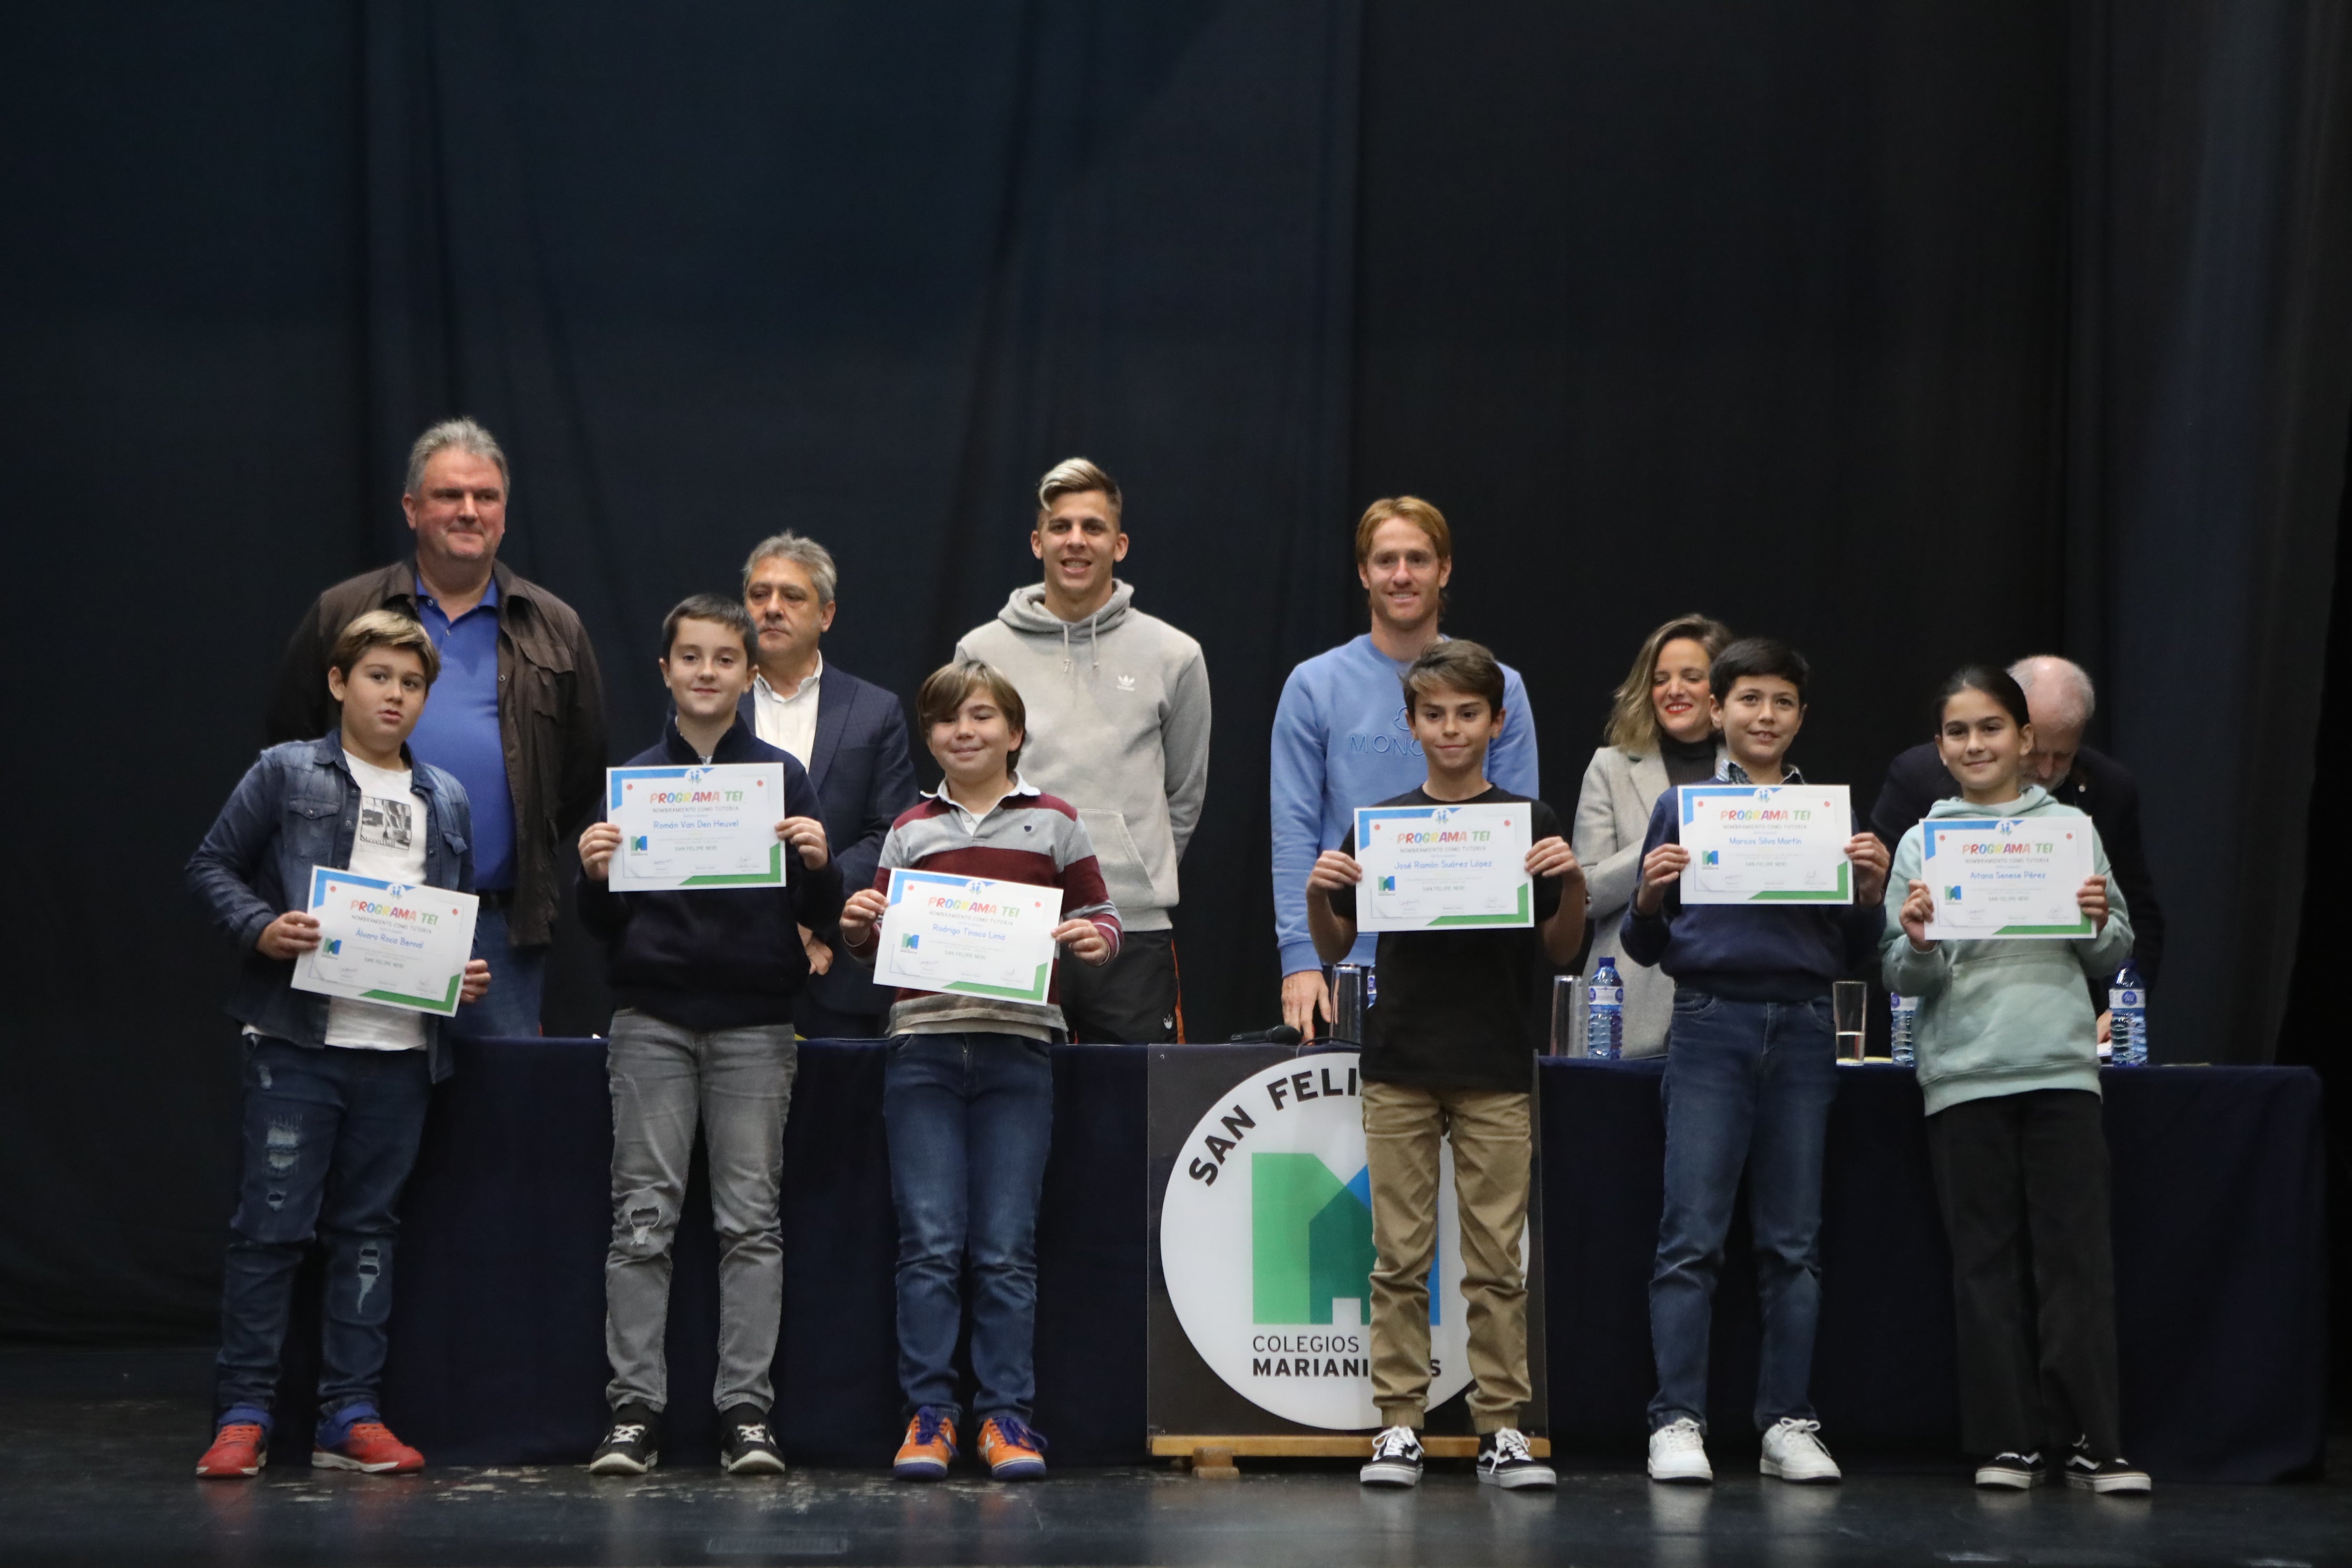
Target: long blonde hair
1632	720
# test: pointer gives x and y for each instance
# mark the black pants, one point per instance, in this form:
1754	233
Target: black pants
1131	1001
2022	1183
815	1021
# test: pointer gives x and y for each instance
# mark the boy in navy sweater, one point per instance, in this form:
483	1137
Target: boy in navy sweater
1750	1071
705	981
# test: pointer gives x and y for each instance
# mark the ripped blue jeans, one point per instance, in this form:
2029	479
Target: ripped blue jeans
330	1137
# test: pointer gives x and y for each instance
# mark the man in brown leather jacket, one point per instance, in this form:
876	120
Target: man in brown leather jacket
518	714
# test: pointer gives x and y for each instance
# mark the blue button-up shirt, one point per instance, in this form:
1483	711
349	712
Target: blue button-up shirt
459	730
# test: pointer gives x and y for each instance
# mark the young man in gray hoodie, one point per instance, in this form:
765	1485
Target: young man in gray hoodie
1119	726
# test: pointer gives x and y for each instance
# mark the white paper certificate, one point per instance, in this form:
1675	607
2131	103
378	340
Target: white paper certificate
1438	866
402	945
710	827
1780	844
968	934
2005	877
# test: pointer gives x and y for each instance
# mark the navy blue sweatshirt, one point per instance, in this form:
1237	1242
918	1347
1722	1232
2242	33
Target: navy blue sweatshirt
1748	953
715	958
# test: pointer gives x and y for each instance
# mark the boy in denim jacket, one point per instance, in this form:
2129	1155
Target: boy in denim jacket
335	1090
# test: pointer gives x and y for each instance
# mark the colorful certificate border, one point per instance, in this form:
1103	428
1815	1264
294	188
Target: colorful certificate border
1930	827
1842	894
1522	916
774	877
443	1006
902	878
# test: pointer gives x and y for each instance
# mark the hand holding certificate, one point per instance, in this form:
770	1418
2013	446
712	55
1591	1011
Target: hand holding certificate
968	934
1428	867
1766	843
1996	877
708	826
399	945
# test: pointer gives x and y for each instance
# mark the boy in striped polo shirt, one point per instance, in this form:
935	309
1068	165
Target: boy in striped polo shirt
968	1090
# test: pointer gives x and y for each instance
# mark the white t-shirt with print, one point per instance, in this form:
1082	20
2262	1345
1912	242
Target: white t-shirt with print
389	845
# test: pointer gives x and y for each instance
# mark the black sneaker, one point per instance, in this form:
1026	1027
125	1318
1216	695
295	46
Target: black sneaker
2086	1474
2013	1471
632	1445
1504	1460
1396	1461
746	1448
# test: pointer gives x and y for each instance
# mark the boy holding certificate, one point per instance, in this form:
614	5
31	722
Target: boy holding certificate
2009	1063
335	1088
968	1090
705	978
1449	1060
1750	1071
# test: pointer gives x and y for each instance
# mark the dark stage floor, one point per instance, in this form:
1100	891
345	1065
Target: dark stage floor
101	1447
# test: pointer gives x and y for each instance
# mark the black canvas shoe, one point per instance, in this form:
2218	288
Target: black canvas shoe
2111	1476
632	1445
1396	1461
2012	1471
746	1446
1504	1460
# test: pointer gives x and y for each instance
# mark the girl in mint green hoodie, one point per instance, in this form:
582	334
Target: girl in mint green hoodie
2009	1063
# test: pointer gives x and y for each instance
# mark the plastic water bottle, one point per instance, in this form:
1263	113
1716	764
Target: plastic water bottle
1903	1019
1604	1013
2127	1028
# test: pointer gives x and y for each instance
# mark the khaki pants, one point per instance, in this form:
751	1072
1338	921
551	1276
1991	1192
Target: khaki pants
1403	1125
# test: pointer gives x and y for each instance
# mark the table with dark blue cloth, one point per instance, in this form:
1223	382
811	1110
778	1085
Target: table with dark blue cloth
498	1352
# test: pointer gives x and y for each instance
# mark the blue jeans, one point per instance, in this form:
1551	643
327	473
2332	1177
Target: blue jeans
330	1137
517	977
1747	1083
971	1118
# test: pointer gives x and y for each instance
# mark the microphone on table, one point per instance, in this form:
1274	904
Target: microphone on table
1280	1035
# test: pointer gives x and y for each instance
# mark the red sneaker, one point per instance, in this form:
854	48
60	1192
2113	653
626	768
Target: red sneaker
240	1449
369	1446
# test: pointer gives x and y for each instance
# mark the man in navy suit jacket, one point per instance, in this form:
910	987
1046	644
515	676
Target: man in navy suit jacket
850	737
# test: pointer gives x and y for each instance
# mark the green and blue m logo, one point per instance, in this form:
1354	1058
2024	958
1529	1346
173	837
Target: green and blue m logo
1311	1241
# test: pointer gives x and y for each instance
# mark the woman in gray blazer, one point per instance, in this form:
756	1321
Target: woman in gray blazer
1661	733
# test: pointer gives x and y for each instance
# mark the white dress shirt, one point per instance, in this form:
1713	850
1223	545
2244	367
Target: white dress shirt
787	724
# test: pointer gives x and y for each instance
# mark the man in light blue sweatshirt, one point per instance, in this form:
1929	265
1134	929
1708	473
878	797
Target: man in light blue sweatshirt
1341	737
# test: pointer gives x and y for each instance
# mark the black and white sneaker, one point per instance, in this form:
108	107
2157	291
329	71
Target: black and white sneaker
632	1445
2085	1474
1504	1460
746	1448
1396	1461
2012	1471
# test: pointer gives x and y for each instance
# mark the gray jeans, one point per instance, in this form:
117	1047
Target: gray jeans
739	1084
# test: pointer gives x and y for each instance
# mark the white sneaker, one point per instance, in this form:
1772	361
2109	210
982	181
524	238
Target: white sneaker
1396	1461
1678	1453
1793	1452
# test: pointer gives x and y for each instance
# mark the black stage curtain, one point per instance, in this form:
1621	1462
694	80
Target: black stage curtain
1773	311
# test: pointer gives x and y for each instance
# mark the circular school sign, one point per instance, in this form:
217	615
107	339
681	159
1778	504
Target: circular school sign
1266	1240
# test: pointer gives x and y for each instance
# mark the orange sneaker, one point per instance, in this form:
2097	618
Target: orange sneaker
368	1445
930	1448
1010	1450
240	1449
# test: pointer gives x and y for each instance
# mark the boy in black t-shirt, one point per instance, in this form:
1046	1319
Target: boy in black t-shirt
1448	1058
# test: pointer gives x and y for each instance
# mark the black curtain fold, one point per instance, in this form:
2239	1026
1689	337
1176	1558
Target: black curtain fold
2211	306
1911	331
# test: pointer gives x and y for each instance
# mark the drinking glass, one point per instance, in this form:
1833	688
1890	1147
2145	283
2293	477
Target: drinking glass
1567	992
1849	1004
